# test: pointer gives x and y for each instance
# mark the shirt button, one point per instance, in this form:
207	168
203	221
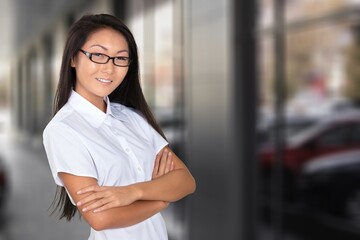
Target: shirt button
139	169
127	149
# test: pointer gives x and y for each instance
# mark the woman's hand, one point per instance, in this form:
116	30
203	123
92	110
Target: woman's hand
103	198
163	163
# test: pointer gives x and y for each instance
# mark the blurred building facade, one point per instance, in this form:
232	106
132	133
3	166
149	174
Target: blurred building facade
188	72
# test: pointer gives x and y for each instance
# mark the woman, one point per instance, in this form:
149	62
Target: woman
104	147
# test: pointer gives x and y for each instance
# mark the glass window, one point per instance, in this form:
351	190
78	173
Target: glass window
337	137
320	77
355	133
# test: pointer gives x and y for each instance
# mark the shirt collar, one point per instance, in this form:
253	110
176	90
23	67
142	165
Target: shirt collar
90	113
118	111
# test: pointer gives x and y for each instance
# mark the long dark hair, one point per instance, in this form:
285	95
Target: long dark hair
129	92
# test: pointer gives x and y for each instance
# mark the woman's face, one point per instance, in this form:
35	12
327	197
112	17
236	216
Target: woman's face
93	80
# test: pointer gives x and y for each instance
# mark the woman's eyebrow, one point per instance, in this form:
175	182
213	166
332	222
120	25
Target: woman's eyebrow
123	51
98	45
106	49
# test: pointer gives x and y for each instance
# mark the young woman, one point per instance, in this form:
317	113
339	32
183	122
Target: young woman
104	147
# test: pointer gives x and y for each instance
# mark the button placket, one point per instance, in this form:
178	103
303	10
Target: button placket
128	151
136	166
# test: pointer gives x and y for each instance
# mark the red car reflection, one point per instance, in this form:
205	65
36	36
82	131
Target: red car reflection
335	133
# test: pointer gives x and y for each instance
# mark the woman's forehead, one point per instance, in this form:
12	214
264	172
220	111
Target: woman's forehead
107	38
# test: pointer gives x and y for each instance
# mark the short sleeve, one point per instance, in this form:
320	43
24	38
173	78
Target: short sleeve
67	153
156	139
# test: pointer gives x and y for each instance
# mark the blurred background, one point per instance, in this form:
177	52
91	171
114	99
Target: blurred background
259	98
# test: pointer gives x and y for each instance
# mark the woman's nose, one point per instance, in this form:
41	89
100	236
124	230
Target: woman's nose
109	66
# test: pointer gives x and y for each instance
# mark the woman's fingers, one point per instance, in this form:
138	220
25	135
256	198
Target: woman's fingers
108	197
95	205
91	197
172	166
163	163
156	165
105	207
169	162
101	205
92	188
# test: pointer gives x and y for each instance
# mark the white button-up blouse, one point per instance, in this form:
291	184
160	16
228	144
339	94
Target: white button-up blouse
117	148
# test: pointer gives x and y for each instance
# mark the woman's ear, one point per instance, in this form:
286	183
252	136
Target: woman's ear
72	62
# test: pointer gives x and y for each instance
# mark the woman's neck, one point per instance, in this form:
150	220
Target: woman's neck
97	101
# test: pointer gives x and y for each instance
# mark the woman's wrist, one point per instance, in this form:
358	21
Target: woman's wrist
137	190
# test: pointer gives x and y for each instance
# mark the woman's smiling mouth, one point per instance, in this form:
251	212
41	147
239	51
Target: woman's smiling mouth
103	80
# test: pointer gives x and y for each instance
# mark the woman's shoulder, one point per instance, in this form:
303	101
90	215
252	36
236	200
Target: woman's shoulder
64	112
60	120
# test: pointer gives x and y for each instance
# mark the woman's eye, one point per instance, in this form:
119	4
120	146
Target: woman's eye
98	55
122	58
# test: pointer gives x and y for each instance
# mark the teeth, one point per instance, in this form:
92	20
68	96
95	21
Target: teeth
104	80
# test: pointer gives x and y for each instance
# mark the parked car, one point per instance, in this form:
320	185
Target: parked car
332	184
293	125
332	134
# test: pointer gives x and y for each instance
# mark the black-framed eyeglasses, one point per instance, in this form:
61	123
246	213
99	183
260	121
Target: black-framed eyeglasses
101	58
